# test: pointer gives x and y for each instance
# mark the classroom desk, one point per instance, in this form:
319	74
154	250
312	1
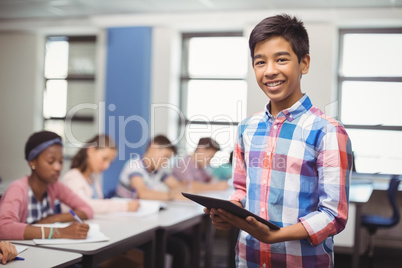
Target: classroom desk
181	216
206	228
124	233
359	194
127	232
41	257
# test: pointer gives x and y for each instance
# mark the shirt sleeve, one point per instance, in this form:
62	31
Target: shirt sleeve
239	172
68	197
77	183
12	225
334	163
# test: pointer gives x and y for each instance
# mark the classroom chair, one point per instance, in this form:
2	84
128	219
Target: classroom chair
374	222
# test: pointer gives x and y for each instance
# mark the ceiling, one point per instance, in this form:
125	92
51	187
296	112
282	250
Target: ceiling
50	9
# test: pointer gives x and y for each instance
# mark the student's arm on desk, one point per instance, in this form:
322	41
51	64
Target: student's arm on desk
205	187
175	188
63	217
7	252
74	231
144	192
225	220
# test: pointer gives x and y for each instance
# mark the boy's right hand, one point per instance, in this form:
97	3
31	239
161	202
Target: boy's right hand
74	231
217	221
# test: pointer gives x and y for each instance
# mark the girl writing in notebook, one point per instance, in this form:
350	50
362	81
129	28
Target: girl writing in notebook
33	198
83	178
7	252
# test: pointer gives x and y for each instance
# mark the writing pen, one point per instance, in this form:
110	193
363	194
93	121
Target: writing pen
18	259
75	216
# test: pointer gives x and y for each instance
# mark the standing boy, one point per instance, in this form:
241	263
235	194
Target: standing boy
291	163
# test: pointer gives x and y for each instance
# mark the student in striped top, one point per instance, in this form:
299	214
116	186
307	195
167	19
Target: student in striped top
292	164
147	177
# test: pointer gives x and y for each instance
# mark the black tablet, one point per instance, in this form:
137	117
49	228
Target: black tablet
210	202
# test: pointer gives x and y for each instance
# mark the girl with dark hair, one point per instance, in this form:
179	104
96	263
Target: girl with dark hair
83	178
33	199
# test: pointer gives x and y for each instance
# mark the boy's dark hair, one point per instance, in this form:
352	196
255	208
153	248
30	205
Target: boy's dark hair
164	142
208	143
290	28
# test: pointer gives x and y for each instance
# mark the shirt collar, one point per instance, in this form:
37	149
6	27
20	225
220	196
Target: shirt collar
296	110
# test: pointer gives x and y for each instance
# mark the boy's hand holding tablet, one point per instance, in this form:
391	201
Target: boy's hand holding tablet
225	222
231	213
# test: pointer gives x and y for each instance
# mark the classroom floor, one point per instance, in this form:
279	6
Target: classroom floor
383	258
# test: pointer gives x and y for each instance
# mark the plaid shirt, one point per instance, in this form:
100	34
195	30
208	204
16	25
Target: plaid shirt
289	169
38	210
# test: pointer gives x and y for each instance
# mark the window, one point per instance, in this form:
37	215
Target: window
370	90
69	95
213	89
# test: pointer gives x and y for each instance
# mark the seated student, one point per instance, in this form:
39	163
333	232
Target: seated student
7	252
91	160
32	199
192	172
145	178
223	171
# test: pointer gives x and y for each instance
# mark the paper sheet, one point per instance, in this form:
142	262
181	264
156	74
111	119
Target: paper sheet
20	248
147	208
94	235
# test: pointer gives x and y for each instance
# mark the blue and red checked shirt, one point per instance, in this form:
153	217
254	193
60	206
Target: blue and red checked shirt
289	169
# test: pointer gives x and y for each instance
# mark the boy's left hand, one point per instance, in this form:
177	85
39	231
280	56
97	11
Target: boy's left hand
250	225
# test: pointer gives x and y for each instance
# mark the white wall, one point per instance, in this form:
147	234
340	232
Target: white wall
21	81
165	81
321	81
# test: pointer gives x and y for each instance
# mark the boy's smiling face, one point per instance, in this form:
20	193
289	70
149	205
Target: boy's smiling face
278	72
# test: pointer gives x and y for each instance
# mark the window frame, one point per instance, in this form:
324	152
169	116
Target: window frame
71	78
343	78
183	122
76	118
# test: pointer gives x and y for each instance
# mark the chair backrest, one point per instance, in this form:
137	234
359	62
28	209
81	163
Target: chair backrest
392	197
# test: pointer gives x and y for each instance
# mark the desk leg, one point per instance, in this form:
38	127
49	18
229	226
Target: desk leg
195	254
233	235
88	261
209	241
149	249
161	238
356	246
